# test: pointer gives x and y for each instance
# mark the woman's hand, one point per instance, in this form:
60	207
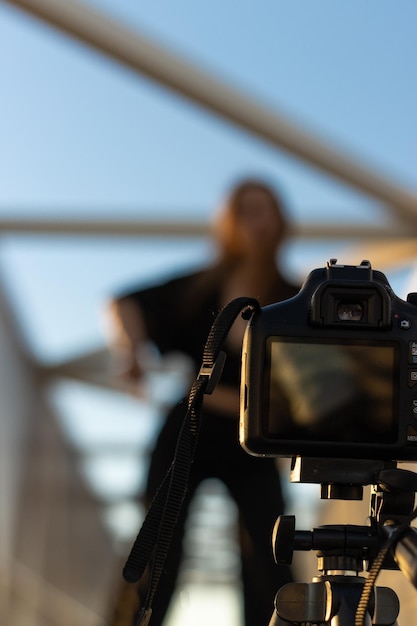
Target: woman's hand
127	338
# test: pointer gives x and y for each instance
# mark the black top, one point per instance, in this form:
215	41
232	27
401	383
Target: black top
179	313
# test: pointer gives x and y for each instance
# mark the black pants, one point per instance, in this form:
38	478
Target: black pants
255	486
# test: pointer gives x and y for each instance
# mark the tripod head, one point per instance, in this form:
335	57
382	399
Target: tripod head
344	551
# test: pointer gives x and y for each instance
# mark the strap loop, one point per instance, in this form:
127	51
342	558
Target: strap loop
212	372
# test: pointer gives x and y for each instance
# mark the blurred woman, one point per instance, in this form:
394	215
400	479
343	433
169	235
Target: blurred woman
177	316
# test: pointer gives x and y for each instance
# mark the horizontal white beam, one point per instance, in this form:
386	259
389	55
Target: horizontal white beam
132	49
100	228
142	228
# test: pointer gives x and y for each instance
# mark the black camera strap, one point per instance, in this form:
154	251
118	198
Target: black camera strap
153	541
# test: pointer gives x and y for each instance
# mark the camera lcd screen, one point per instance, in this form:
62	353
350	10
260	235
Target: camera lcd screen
328	391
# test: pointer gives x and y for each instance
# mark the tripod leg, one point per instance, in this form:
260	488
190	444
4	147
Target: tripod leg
384	607
332	603
304	603
387	607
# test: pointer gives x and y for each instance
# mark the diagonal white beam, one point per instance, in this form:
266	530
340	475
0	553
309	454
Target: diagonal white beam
131	48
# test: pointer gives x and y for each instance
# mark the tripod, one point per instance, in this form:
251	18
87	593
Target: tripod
337	597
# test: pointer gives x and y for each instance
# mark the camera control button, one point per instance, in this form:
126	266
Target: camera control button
404	323
412	352
412	378
411	435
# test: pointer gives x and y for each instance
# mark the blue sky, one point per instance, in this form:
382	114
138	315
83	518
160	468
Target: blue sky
80	131
82	136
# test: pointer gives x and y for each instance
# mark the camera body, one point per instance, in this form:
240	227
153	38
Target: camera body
332	372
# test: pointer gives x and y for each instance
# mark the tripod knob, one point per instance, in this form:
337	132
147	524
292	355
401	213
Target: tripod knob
283	537
340	540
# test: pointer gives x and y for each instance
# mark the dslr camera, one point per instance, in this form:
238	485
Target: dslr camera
332	372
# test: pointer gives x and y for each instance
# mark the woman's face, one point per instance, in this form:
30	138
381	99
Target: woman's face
258	224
